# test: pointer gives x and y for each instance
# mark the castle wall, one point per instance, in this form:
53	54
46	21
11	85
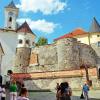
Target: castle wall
97	50
50	84
68	54
43	58
22	59
75	78
87	55
65	54
47	55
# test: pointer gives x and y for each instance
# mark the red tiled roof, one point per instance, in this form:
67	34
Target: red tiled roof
24	28
76	32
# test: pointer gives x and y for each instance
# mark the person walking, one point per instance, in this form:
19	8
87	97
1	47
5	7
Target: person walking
0	91
13	90
23	94
57	87
3	93
0	80
85	90
65	92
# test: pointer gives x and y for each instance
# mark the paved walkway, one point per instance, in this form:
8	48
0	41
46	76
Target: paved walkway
95	95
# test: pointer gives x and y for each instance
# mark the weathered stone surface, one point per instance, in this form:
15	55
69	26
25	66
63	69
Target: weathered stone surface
65	54
22	59
97	50
75	78
47	55
87	56
75	83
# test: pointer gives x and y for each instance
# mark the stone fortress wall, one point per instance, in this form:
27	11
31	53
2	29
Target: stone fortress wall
65	54
97	50
22	58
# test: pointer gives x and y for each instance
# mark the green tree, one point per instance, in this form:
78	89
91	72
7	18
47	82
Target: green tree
42	41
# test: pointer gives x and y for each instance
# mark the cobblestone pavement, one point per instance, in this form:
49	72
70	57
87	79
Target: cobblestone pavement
94	95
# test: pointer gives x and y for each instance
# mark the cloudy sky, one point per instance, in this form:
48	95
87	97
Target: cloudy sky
54	18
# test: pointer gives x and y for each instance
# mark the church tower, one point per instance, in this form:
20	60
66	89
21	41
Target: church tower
11	14
23	50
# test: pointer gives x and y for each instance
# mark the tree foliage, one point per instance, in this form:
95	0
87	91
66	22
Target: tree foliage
42	41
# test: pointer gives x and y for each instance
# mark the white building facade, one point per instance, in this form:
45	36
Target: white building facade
10	37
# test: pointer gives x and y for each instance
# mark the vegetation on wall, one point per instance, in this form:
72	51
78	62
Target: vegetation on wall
42	41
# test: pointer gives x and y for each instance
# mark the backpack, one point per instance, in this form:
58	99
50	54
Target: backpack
85	88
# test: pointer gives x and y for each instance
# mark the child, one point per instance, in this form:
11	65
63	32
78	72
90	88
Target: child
23	94
3	94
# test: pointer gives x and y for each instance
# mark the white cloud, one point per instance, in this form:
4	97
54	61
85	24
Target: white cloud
39	25
44	6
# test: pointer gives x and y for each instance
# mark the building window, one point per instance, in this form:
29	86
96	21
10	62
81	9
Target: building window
10	19
9	26
27	41
20	41
20	64
98	44
98	35
33	43
20	57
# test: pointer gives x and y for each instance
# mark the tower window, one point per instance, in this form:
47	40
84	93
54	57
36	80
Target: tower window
9	26
33	43
10	19
20	64
98	44
98	35
27	41
20	57
20	41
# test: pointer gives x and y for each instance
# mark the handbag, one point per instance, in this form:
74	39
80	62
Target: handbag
82	96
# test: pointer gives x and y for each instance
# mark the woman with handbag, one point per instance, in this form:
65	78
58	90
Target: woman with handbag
65	92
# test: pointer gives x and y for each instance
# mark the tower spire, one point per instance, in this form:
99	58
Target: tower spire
11	5
95	26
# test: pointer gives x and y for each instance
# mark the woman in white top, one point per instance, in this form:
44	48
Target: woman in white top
23	94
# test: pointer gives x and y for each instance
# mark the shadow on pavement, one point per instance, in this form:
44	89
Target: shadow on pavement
78	98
